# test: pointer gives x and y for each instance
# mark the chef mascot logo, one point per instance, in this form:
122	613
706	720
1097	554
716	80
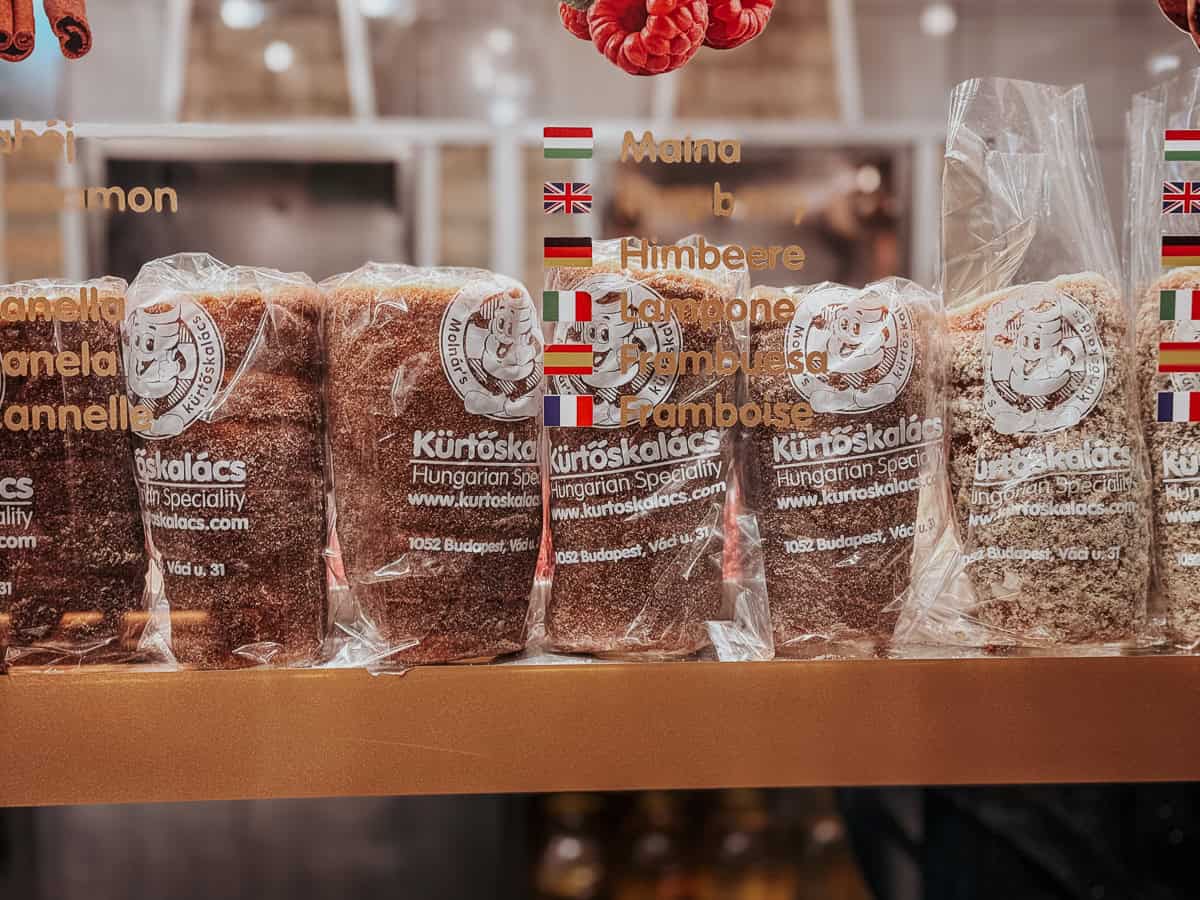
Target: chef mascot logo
1044	362
174	361
867	338
491	352
607	333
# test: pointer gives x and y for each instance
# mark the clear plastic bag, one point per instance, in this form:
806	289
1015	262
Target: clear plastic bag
73	563
839	500
654	553
230	469
1047	461
435	391
1165	313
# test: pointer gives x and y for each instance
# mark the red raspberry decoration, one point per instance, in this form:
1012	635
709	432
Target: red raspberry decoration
648	37
733	22
575	20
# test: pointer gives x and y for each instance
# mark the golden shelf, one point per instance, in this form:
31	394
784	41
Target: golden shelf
107	737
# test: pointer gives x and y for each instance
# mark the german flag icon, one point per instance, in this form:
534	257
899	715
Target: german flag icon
568	251
1180	251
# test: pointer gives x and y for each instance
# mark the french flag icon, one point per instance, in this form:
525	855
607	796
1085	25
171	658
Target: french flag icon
567	411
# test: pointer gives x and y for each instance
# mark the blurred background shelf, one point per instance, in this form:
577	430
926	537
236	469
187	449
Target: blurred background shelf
104	738
309	134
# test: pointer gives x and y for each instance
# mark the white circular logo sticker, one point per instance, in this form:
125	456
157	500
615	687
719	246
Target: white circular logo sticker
868	342
174	362
492	351
1044	362
607	333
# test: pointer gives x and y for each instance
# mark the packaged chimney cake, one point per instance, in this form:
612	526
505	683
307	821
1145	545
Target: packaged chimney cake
839	499
1168	327
435	389
72	552
230	467
1048	465
651	554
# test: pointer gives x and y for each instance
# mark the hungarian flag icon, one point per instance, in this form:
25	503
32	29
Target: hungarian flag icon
567	411
1182	146
568	143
